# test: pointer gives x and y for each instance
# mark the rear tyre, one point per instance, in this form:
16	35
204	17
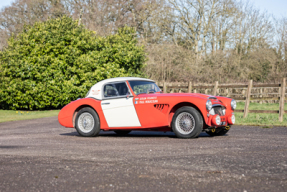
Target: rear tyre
87	122
187	122
219	132
122	132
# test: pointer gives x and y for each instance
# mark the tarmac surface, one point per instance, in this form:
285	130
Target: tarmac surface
41	155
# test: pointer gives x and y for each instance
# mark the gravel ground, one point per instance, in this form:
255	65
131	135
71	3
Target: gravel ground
40	155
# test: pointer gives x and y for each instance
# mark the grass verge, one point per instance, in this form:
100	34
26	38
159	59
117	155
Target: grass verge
9	115
267	120
260	119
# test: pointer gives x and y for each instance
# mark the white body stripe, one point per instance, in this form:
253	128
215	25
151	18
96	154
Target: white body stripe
120	112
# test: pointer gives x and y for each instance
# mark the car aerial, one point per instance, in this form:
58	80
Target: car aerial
124	104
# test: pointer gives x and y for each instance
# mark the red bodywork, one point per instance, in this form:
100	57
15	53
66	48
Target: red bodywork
156	116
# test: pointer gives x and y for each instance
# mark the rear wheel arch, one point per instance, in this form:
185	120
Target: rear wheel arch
78	109
87	122
184	104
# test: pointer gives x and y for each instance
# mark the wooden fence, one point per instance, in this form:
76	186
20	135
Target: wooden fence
248	92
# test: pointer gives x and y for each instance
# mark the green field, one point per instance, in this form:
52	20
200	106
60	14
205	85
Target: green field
265	119
9	115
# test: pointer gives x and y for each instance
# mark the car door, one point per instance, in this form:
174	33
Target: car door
118	107
151	107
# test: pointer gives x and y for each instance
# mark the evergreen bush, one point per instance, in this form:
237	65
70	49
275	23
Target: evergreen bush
52	63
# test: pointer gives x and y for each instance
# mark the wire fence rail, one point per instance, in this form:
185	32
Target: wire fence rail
240	92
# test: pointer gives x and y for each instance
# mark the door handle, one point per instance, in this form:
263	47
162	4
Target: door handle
105	103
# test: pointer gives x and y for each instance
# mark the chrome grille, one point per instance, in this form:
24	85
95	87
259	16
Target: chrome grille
218	110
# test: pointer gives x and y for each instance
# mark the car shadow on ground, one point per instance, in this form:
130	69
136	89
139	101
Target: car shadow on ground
11	146
135	134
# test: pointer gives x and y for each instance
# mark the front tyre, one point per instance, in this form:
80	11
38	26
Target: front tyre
187	122
87	122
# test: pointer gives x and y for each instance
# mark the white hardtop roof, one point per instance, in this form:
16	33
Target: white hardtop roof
123	79
97	88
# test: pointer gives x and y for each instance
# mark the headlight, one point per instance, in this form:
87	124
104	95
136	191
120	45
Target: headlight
233	119
208	105
218	120
233	104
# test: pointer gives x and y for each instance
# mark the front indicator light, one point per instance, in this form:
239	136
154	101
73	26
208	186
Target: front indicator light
218	120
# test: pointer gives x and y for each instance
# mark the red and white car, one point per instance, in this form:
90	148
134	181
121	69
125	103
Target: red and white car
128	103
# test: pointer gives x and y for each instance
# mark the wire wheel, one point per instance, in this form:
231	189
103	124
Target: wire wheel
185	123
86	122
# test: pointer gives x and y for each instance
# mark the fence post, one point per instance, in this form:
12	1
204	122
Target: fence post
171	90
164	87
179	89
261	92
247	101
189	87
282	97
215	88
227	92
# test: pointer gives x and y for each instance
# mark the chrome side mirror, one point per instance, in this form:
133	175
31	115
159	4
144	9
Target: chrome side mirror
128	95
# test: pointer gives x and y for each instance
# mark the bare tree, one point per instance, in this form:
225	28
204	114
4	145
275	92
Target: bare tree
21	12
281	46
199	40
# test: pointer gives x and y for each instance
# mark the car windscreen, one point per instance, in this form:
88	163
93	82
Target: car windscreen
144	87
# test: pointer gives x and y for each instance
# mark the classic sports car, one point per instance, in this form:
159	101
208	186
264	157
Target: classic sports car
124	104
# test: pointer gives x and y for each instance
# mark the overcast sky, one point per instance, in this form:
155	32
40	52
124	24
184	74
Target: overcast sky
276	7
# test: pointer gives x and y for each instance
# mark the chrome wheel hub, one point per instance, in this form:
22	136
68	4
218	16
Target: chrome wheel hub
86	122
185	123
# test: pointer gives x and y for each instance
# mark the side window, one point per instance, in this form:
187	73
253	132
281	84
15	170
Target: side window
115	90
110	90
